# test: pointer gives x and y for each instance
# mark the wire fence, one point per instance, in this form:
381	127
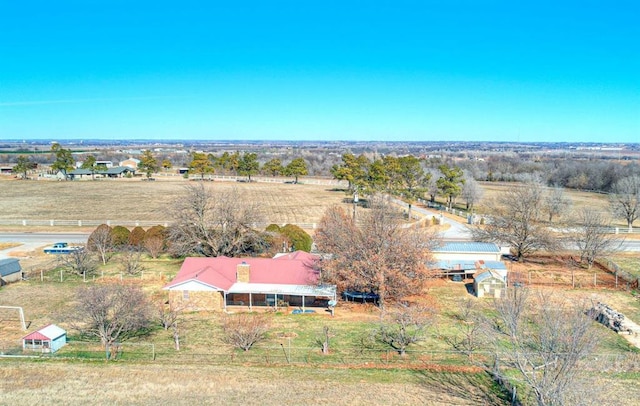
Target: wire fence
124	223
285	354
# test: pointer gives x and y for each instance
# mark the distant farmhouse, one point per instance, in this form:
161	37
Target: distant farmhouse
217	283
113	172
131	163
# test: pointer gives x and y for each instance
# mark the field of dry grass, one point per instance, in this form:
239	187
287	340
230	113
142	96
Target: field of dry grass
578	199
135	200
23	383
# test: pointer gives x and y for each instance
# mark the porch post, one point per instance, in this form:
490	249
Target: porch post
250	301
302	302
224	296
275	301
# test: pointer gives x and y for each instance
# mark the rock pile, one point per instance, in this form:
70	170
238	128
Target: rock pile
610	318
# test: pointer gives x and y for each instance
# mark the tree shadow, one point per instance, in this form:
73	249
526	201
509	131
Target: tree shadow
476	388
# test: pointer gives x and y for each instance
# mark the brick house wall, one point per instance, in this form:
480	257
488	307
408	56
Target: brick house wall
197	300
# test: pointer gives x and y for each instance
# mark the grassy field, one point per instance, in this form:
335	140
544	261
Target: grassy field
134	200
23	383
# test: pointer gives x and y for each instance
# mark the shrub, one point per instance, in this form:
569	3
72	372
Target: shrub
245	329
136	238
298	238
120	236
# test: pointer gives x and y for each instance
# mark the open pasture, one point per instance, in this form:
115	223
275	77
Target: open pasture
135	200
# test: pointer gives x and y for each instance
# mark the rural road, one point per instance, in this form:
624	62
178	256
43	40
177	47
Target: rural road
32	241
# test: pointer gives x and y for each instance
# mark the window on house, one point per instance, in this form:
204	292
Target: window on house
185	295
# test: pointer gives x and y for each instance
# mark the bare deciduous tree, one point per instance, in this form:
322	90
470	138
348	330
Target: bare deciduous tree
324	339
80	262
471	192
468	334
378	254
243	330
546	342
214	224
168	313
101	241
130	261
556	203
517	222
592	236
625	200
111	313
403	325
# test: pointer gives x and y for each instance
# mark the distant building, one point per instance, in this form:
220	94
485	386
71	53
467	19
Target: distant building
10	271
131	163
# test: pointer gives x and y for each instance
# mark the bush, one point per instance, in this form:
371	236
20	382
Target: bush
272	228
298	238
155	240
243	330
136	238
120	236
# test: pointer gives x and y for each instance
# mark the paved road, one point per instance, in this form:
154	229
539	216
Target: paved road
33	241
456	230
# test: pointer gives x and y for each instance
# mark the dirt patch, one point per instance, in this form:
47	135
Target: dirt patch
561	272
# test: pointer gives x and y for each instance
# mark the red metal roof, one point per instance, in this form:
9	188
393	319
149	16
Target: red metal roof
36	335
291	269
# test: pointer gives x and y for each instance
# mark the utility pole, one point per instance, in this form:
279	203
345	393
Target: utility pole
355	203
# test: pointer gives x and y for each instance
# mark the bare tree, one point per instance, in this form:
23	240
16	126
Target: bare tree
378	254
592	236
101	241
111	313
468	334
555	202
155	241
546	342
130	261
517	222
80	262
471	192
625	200
403	325
324	339
214	224
168	313
243	330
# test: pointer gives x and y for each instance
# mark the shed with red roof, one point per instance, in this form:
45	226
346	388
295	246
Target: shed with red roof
48	339
215	283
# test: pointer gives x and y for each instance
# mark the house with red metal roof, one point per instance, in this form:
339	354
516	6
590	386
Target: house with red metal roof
216	283
48	339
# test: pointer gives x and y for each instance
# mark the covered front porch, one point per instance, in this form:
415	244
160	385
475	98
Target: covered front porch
279	296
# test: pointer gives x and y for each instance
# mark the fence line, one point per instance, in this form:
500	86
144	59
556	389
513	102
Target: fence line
285	354
125	223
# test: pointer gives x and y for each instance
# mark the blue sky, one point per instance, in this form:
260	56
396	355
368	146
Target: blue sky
321	70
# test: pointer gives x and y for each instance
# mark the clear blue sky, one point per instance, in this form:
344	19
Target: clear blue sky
321	70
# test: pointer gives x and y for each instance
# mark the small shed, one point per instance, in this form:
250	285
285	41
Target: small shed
10	271
490	283
48	339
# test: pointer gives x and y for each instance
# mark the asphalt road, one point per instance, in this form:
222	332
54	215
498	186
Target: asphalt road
33	241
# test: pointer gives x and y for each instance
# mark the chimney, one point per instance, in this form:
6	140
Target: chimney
242	272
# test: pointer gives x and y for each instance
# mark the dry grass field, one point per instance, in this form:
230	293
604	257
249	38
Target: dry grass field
578	199
28	383
135	200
